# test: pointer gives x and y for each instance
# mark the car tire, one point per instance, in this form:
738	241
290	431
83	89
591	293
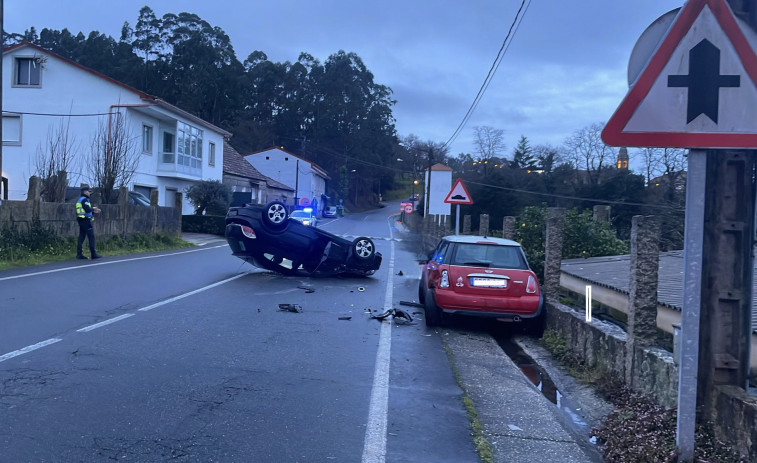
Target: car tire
421	292
434	315
275	214
363	248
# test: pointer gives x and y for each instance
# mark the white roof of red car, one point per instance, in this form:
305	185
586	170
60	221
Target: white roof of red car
480	240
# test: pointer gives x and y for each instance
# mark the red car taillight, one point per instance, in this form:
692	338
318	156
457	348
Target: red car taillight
531	285
248	232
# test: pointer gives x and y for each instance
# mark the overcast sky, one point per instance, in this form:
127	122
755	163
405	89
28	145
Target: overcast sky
564	69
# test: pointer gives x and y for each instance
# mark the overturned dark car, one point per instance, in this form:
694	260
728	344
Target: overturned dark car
266	237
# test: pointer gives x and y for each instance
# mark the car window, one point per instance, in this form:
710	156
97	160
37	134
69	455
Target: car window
484	255
440	252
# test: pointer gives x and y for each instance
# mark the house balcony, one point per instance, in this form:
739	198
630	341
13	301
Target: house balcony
186	168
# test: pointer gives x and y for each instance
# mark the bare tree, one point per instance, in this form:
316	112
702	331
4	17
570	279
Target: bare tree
587	152
113	156
668	163
54	160
489	144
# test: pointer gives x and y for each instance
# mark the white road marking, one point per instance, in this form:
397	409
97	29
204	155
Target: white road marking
26	349
106	322
374	448
182	296
77	267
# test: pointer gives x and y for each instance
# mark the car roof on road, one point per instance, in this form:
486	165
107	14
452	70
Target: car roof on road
477	239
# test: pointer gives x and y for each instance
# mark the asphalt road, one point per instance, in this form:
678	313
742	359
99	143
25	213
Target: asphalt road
185	356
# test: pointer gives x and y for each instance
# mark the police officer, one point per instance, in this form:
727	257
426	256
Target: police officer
85	215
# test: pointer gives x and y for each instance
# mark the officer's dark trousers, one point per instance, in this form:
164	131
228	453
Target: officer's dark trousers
86	230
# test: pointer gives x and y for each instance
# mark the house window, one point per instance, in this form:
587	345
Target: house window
189	146
146	139
11	129
168	147
27	72
211	154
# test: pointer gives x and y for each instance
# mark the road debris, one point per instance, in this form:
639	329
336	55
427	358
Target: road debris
290	308
307	290
345	318
398	315
361	289
411	304
400	273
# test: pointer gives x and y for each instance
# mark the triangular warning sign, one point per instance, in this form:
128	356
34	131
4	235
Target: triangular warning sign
458	194
699	89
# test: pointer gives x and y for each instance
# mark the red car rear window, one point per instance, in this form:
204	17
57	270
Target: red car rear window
485	255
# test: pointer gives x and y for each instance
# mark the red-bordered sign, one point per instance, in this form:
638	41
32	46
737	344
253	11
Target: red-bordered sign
670	106
458	194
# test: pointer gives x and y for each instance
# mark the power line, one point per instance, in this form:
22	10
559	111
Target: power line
492	70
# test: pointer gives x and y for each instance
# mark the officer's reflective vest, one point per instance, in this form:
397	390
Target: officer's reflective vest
80	209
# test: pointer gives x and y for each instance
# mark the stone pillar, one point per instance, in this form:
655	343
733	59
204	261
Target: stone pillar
508	228
553	253
642	299
483	225
466	225
602	213
177	212
34	195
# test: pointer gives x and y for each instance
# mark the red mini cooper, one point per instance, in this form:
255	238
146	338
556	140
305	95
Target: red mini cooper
480	276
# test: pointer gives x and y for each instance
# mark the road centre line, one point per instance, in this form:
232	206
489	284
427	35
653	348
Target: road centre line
106	322
374	448
182	296
33	347
27	349
76	267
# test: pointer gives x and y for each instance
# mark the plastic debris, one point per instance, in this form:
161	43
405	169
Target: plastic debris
400	273
361	289
411	304
307	290
345	318
290	308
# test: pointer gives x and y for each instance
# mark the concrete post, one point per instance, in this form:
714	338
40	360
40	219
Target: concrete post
466	225
483	225
123	206
508	228
602	214
553	253
642	301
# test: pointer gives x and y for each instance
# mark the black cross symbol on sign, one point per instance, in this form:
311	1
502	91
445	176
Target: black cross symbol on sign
703	81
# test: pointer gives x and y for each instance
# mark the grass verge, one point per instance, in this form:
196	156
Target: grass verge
40	245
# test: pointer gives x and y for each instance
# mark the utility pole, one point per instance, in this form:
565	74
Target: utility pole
720	202
3	181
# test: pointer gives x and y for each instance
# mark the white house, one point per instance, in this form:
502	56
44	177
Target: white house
307	178
42	92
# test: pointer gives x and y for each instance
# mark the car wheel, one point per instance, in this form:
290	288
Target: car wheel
434	315
275	214
363	248
421	292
